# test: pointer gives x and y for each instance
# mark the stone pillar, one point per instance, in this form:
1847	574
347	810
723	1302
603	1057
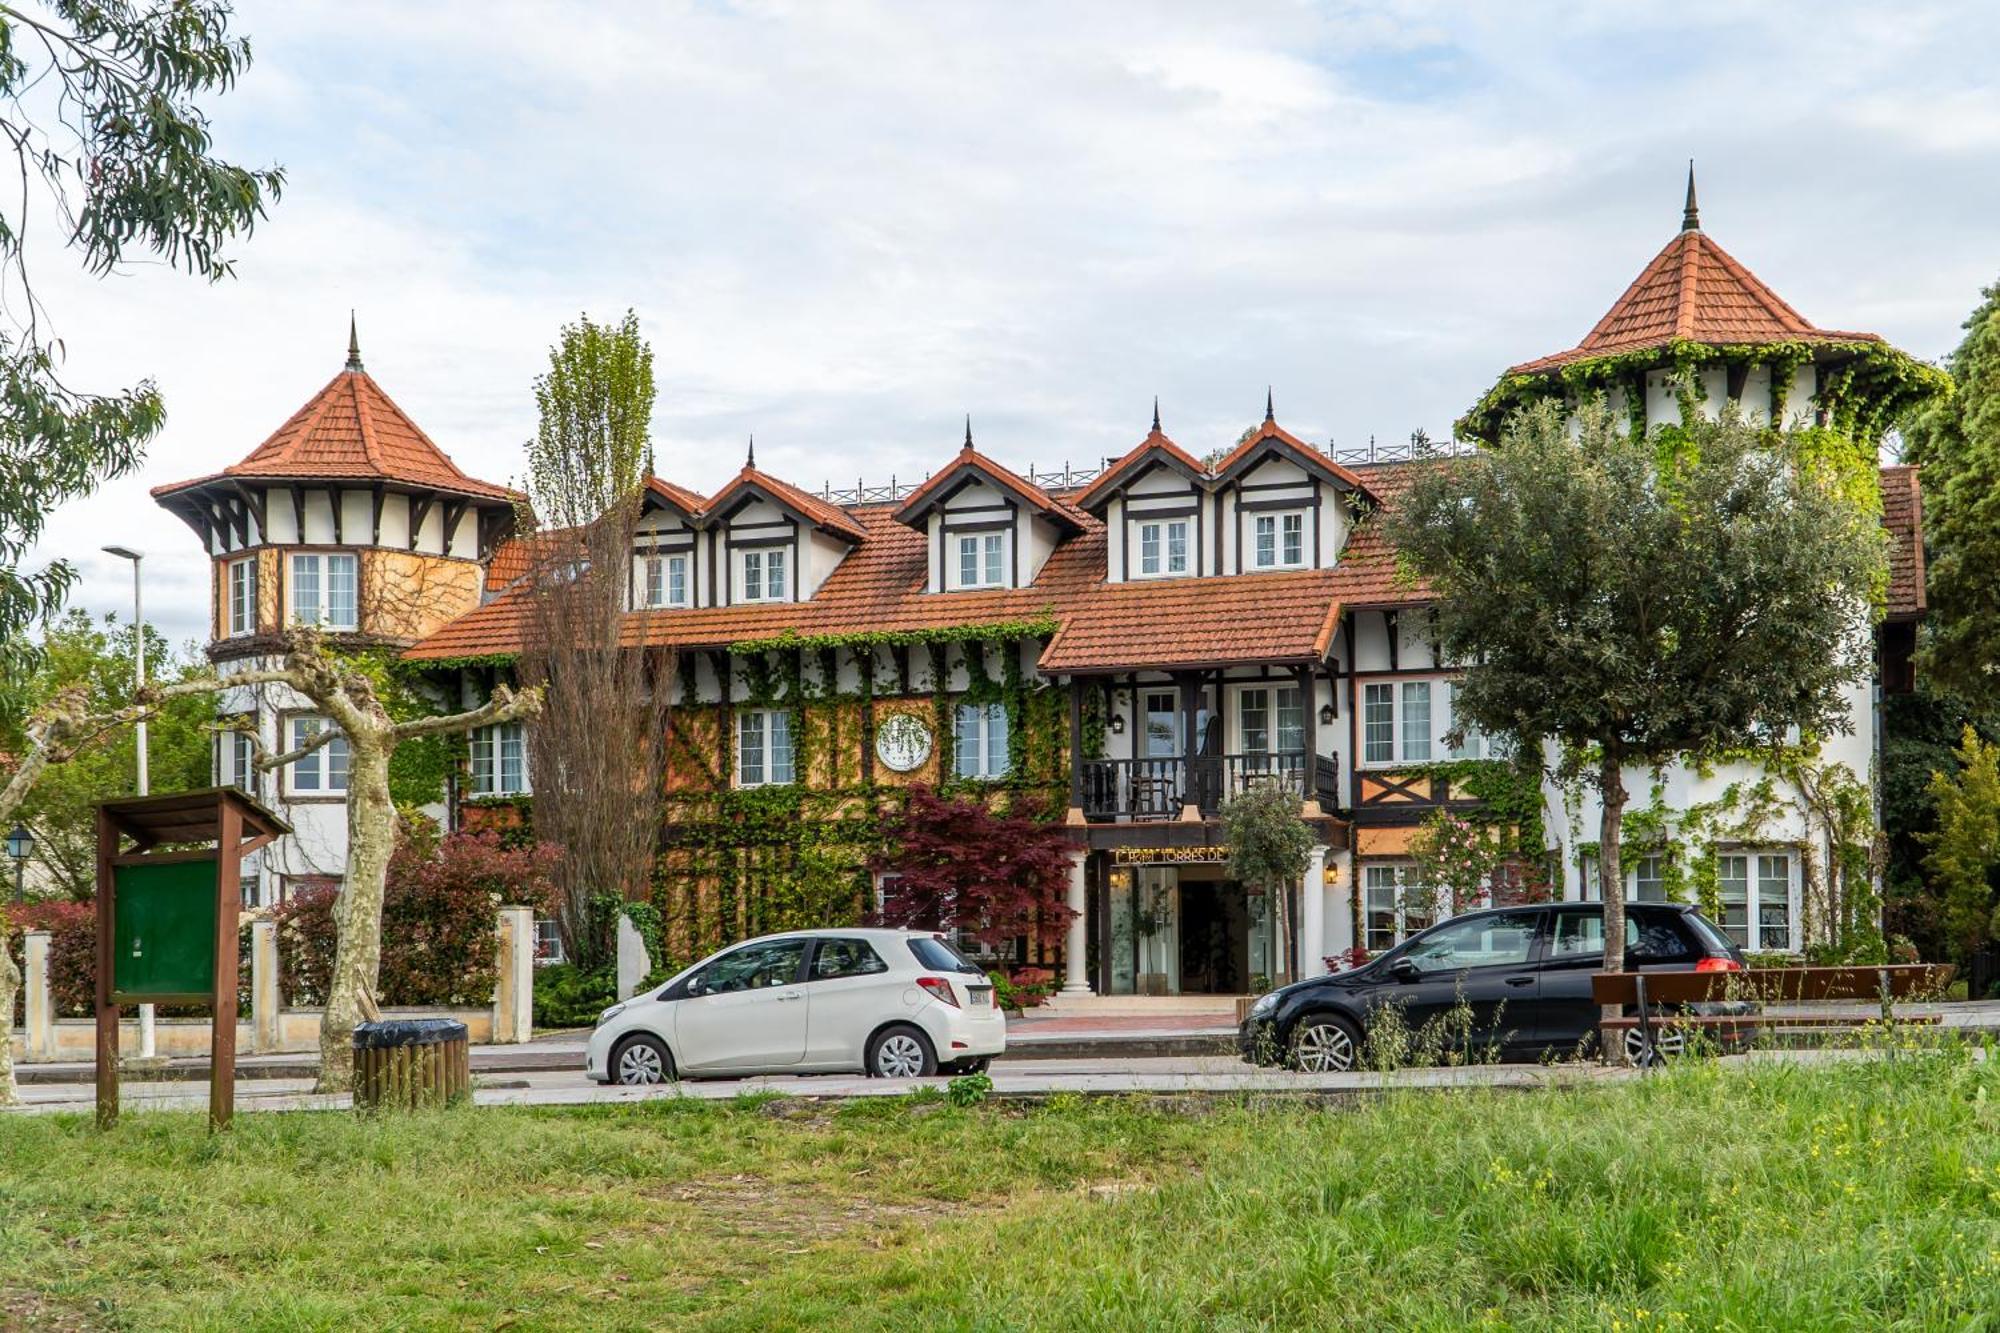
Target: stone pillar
1312	915
634	963
1076	946
37	999
514	994
265	1003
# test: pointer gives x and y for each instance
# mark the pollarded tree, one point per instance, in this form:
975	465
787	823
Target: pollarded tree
101	104
1956	440
1641	600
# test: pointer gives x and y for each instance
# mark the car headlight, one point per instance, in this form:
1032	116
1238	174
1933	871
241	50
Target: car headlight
1265	1004
611	1013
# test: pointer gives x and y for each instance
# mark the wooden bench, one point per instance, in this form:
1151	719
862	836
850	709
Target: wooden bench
1646	991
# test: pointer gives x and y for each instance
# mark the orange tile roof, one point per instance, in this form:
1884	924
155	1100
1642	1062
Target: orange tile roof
1156	442
1903	516
918	501
352	429
1693	291
821	512
1102	626
1270	432
688	502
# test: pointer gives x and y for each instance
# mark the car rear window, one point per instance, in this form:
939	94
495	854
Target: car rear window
939	956
1708	934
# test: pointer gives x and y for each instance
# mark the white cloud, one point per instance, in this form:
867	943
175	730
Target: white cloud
845	225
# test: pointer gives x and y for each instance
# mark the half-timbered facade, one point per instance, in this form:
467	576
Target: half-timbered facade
1131	647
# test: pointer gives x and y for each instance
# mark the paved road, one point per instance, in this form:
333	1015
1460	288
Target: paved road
1206	1074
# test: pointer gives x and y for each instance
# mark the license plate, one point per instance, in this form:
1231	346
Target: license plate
980	994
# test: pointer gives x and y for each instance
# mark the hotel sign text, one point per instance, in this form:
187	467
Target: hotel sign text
1132	856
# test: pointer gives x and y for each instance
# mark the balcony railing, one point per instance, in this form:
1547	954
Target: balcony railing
1160	788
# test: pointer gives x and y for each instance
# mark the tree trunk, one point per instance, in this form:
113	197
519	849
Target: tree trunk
10	984
1610	874
357	960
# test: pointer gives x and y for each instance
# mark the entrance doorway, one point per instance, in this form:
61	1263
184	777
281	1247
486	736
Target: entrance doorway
1186	930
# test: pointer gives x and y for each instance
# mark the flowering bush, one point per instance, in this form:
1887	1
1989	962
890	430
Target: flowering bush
1472	864
439	929
1027	988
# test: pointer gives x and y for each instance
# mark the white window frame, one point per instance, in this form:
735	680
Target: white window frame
1755	934
489	746
237	762
1403	731
1275	525
985	554
322	565
772	568
980	742
1164	548
653	577
757	758
1398	878
1273	707
299	727
240	578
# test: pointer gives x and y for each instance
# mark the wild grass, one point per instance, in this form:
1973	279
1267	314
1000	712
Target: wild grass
1850	1193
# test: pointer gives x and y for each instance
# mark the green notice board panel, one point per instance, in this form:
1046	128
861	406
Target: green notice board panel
163	932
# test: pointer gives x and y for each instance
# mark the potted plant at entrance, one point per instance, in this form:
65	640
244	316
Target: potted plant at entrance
1270	849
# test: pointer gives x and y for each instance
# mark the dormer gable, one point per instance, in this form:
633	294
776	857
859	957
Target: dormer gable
985	526
1155	505
1281	504
666	541
768	541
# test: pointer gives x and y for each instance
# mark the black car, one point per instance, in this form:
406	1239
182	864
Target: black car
1523	974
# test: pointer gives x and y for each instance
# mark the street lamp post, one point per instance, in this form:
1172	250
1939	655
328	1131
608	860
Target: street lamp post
146	1042
20	846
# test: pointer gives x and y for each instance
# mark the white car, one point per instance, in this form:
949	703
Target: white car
890	1003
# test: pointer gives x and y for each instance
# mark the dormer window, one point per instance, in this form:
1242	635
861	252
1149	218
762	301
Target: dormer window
764	576
1163	548
662	580
982	560
1280	541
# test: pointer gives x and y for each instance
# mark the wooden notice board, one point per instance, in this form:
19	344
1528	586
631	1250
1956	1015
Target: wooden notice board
163	932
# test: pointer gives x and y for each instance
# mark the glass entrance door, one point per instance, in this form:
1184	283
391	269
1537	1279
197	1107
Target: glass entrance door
1145	930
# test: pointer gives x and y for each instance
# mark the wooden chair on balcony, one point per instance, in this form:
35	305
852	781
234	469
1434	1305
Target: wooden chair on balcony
1153	799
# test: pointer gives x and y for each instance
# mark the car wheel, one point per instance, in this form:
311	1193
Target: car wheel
641	1060
1668	1043
901	1051
1325	1044
974	1066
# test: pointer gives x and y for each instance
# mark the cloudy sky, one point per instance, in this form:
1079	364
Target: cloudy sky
844	226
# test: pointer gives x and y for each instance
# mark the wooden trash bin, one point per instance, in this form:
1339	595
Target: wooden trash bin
400	1064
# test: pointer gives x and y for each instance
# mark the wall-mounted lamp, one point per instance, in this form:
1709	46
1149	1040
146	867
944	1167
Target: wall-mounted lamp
1326	715
1116	726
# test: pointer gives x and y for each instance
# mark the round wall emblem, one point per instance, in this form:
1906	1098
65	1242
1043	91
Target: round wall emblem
902	742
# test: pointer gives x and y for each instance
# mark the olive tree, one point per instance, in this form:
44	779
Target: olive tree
1642	599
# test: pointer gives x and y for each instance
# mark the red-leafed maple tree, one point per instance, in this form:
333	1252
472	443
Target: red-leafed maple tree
956	865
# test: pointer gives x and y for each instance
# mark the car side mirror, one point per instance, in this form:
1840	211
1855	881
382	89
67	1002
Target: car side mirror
1405	969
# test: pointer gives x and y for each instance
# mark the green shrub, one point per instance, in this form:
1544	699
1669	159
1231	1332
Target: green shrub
567	996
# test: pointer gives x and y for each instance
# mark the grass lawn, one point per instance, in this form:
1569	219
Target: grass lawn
1854	1195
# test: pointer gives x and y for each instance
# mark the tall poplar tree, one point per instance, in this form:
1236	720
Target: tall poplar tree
598	753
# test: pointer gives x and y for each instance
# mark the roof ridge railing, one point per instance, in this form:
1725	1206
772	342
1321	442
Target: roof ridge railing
1068	477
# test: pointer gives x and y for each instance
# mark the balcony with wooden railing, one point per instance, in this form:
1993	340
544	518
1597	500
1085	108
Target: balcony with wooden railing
1160	788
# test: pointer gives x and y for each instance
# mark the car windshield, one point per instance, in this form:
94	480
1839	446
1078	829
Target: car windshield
937	953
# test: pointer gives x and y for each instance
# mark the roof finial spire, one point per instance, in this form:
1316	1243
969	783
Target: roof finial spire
1269	414
1156	414
750	458
353	344
968	430
1690	215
